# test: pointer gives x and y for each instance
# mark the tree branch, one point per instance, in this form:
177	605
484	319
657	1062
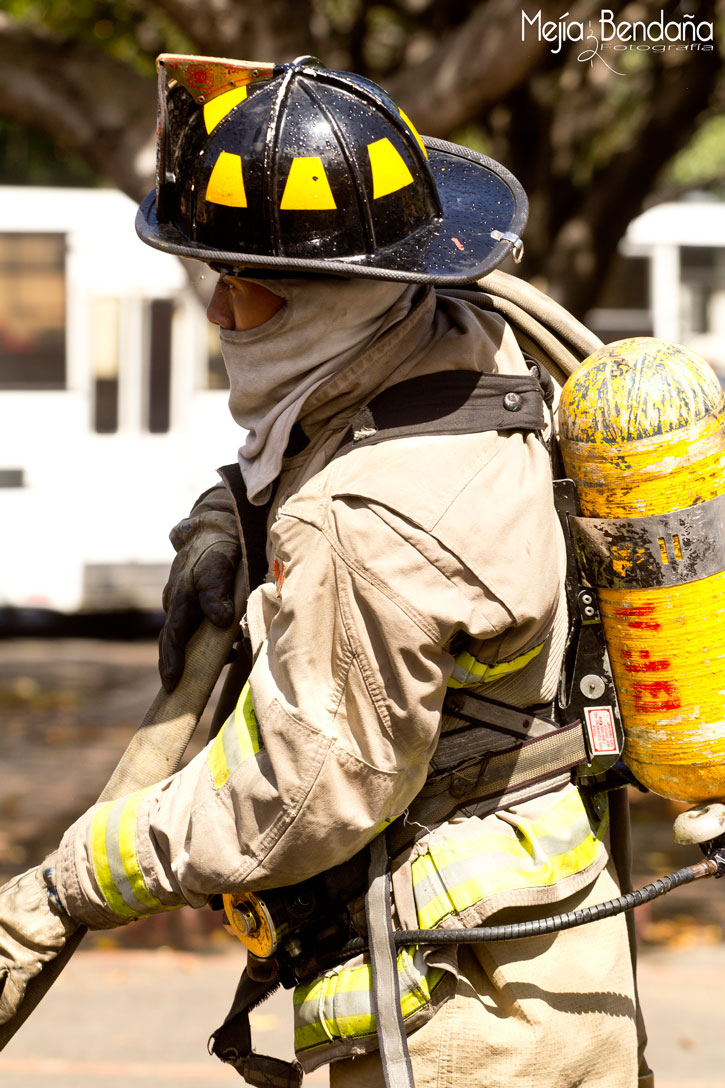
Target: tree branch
582	251
86	100
475	66
587	145
275	30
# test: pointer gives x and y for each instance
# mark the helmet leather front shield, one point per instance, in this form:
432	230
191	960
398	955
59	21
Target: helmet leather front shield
299	168
187	88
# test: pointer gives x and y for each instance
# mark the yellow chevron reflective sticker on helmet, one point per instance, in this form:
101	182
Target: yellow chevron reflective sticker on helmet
389	170
226	184
307	188
414	130
216	110
237	740
469	671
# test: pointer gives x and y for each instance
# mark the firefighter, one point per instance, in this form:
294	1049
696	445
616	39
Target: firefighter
405	560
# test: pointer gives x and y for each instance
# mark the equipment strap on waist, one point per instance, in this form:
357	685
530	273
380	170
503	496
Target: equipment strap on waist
232	1042
473	768
394	1054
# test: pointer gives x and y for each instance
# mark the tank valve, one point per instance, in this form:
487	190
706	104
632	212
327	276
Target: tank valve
704	823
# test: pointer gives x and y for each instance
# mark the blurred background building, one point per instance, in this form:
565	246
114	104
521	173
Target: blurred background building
113	410
668	279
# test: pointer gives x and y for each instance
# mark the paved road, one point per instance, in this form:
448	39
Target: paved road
683	998
119	1017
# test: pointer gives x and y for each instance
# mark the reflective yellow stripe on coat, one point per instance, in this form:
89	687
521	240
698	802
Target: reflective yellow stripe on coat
113	829
468	671
455	874
237	740
115	864
337	1006
452	875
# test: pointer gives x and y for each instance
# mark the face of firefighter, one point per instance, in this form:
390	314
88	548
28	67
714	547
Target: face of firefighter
238	305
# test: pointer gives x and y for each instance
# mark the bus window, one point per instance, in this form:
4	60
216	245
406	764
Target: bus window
623	306
105	321
158	391
703	290
32	311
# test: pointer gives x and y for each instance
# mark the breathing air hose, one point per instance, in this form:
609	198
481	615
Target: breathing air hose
713	865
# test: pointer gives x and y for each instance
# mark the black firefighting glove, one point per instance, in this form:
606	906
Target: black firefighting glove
201	580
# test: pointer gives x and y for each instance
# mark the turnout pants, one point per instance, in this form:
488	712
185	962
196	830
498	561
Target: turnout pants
546	1012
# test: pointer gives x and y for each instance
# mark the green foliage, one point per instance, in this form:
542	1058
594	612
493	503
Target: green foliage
382	37
30	157
702	162
473	136
130	30
387	31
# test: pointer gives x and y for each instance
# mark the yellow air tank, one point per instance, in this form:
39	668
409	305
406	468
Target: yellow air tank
641	429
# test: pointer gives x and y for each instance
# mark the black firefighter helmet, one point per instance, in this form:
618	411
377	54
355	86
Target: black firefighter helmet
298	168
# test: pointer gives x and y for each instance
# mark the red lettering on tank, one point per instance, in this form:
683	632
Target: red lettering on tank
635	610
635	616
656	695
644	663
658	708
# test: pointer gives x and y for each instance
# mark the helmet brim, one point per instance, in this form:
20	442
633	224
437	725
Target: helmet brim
481	202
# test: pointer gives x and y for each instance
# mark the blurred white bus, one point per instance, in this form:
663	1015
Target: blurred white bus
668	279
113	413
113	410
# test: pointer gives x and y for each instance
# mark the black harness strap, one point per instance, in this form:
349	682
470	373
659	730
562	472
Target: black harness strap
252	528
449	402
252	525
232	1042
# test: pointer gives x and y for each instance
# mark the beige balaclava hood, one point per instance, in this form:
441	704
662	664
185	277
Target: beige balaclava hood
273	369
337	342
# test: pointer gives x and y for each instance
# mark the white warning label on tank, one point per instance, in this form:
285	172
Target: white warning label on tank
600	727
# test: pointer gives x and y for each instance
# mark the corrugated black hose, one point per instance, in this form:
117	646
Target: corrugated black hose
711	866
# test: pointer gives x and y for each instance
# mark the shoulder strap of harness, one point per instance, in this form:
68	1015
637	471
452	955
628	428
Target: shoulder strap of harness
252	526
449	402
252	529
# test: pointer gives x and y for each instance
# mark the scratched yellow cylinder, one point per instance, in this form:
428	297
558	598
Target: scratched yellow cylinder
641	428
